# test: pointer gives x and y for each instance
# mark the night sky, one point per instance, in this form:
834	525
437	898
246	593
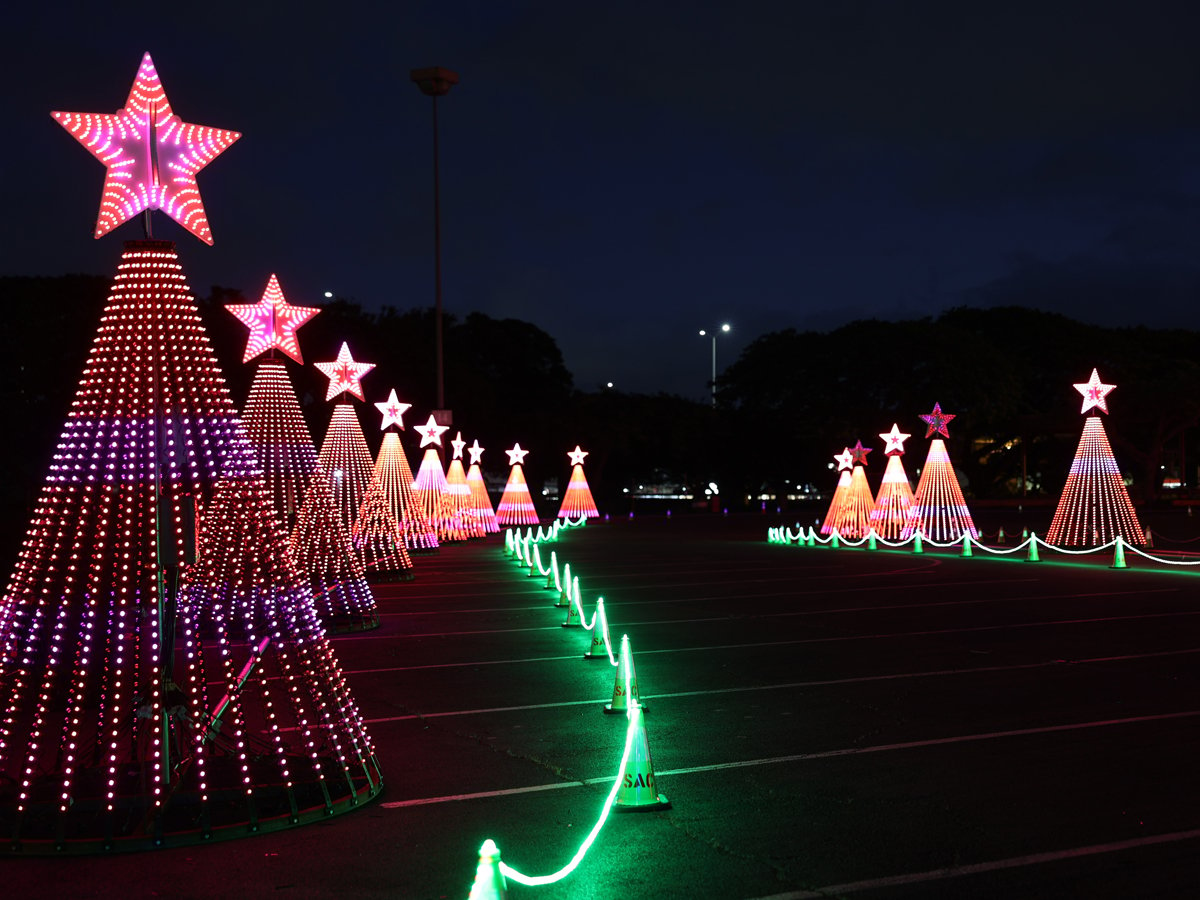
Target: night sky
623	174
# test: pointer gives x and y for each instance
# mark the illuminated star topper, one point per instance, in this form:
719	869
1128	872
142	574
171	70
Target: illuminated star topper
1094	392
845	459
272	322
458	443
476	453
577	456
393	411
895	441
937	421
516	455
859	453
431	432
152	156
344	374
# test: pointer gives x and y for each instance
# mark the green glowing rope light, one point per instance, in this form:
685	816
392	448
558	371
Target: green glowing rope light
634	715
782	535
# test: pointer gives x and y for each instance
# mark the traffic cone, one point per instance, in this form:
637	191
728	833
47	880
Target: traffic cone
1024	533
564	589
811	540
871	540
1119	555
638	791
489	880
1033	551
572	620
535	562
625	684
552	572
1000	536
833	539
599	645
1149	540
918	547
966	550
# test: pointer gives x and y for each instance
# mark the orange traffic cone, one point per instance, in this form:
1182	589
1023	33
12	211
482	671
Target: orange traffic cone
489	880
638	791
625	686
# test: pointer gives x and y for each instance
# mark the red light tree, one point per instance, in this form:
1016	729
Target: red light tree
895	497
481	503
272	414
158	687
516	505
301	493
577	498
377	537
430	487
939	510
396	478
1095	505
852	518
458	492
344	455
845	462
158	698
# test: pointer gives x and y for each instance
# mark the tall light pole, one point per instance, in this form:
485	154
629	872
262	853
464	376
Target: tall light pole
724	329
436	82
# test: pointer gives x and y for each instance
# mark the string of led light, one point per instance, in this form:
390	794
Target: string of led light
633	716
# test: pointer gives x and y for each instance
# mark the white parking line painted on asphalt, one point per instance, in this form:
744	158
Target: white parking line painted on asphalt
995	865
829	682
805	757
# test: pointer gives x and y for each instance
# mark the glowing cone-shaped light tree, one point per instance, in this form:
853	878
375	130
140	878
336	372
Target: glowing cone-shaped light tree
853	517
430	488
577	499
458	491
396	478
1095	505
845	462
272	414
895	497
156	689
302	496
344	455
481	503
939	511
516	505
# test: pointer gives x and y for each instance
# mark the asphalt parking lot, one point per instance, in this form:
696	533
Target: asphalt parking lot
824	722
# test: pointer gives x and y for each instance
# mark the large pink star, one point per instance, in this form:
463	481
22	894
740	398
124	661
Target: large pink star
516	455
576	456
431	432
1094	393
272	322
937	421
152	156
895	441
344	374
476	453
393	411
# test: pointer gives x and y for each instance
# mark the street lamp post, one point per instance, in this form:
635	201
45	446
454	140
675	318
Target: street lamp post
724	329
436	82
